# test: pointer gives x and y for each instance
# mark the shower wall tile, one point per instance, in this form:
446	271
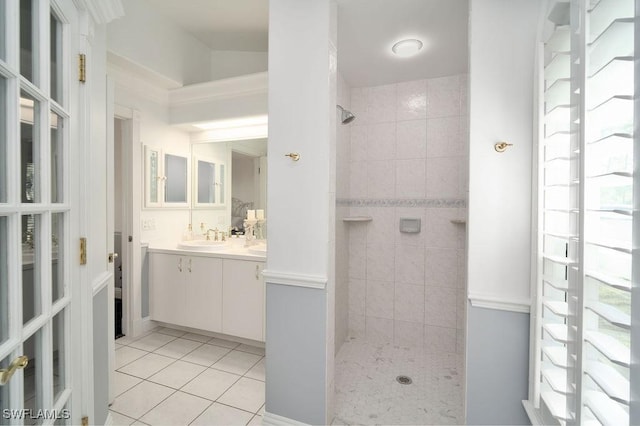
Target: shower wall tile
380	262
410	178
379	330
411	139
444	137
358	180
443	98
381	141
381	105
382	228
359	145
381	179
357	296
412	100
359	103
357	326
410	265
408	142
409	303
440	306
379	293
440	339
441	267
443	177
409	334
440	232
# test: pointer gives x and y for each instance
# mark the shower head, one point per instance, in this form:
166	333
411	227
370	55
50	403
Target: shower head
346	116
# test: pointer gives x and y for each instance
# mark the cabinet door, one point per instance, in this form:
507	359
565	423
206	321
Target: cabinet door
243	297
167	288
204	293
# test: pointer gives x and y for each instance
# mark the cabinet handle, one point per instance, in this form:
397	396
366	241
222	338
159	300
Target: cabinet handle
189	265
180	264
257	272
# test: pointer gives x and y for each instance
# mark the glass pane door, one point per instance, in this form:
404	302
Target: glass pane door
36	91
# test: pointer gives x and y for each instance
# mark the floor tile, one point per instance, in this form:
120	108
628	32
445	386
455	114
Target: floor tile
179	409
222	415
224	343
147	366
127	354
211	384
152	342
257	371
177	374
124	382
237	362
177	348
246	394
197	337
206	355
141	398
256	420
251	349
118	419
171	331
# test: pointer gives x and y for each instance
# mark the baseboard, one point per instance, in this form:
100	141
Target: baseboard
276	420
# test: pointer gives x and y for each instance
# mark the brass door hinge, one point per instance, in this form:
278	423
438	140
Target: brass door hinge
82	67
83	251
85	421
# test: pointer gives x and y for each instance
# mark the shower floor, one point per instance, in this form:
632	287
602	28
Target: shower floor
367	392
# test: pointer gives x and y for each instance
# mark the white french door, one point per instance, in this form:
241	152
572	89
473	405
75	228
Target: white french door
39	200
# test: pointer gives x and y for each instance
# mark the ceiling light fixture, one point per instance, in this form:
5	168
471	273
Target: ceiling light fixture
406	48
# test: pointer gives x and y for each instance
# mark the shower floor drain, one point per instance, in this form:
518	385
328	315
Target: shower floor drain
404	380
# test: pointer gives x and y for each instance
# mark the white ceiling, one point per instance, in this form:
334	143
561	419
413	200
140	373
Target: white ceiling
221	24
366	31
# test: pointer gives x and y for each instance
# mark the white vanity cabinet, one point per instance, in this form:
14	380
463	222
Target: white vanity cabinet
187	291
243	299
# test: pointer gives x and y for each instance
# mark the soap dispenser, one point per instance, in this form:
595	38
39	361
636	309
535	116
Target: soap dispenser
188	234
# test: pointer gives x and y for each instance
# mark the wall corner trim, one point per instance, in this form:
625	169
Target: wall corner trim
295	280
276	420
501	304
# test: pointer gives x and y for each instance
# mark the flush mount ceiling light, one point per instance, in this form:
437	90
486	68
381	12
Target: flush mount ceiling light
406	48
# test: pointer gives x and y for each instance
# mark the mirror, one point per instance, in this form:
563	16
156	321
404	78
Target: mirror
176	179
209	182
229	179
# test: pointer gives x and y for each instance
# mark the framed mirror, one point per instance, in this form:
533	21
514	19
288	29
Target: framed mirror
176	180
209	185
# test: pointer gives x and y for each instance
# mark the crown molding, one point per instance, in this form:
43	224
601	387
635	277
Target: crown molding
102	11
233	87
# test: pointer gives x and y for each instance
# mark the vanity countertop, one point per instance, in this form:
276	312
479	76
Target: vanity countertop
232	252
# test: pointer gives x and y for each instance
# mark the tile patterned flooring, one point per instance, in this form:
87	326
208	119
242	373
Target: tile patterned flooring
170	377
367	391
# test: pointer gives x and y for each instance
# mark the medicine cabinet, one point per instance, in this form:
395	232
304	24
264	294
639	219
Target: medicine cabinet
167	178
209	189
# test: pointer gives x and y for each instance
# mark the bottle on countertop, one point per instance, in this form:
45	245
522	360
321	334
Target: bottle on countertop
188	234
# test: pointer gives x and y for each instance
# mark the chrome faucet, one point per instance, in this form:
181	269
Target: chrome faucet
216	233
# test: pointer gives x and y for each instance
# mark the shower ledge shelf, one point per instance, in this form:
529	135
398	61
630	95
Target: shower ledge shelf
357	219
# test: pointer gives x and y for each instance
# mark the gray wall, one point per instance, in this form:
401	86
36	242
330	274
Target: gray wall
296	353
101	356
145	283
497	367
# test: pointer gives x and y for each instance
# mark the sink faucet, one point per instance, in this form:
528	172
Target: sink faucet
215	233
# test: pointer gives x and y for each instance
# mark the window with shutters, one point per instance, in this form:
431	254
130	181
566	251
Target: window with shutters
586	251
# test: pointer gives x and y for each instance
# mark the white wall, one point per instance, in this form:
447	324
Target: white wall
230	63
501	106
154	42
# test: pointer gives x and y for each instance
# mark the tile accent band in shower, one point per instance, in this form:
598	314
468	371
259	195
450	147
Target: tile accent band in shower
410	202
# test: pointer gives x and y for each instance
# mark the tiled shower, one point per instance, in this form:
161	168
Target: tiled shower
405	156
